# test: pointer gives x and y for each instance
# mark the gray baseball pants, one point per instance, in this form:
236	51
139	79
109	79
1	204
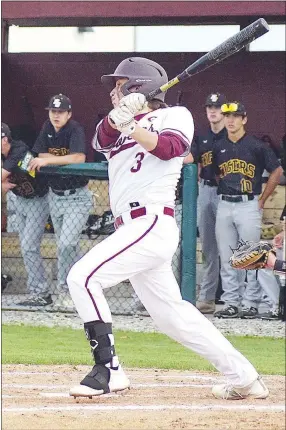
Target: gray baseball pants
31	217
207	210
242	221
69	215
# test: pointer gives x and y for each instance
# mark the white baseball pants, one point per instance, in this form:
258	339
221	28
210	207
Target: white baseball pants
141	251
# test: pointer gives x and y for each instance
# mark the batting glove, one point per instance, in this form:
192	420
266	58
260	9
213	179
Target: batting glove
135	102
123	120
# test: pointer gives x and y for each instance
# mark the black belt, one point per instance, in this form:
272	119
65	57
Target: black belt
236	199
210	182
64	192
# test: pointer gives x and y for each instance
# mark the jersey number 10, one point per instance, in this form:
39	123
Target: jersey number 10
246	186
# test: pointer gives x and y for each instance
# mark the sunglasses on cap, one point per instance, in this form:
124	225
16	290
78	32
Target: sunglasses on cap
229	107
233	107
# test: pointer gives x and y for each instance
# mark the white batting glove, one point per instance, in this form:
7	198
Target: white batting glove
135	102
123	120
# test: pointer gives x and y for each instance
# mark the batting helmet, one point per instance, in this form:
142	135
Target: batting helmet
143	74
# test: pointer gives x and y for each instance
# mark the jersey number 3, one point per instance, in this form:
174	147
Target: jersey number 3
139	158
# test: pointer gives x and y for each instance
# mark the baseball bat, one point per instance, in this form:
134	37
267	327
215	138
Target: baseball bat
216	55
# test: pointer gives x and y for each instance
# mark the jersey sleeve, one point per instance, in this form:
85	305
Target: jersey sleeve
271	161
280	266
17	154
169	146
195	149
105	137
77	142
41	144
10	164
179	121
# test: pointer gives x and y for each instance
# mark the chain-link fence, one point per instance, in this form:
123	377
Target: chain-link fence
43	236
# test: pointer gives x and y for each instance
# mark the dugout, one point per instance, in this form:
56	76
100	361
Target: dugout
29	79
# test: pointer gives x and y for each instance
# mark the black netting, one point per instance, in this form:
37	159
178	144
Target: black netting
43	237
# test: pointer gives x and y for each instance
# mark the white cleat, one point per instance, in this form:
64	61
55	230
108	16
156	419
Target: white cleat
116	381
255	390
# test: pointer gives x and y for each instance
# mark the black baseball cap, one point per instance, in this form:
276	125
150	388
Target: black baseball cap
59	102
215	99
236	108
5	131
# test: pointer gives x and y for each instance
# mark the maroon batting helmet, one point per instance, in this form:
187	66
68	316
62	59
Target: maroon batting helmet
143	75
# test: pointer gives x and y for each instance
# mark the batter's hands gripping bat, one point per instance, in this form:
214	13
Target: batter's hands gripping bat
216	55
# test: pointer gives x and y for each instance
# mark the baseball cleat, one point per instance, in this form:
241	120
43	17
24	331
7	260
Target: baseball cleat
206	306
101	380
227	311
256	390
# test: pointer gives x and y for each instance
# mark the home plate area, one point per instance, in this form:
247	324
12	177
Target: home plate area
36	397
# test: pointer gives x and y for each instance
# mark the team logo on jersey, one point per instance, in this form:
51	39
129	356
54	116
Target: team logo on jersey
207	158
126	142
59	151
57	103
236	165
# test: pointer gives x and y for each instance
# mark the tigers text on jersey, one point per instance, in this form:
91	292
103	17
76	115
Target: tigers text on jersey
240	165
136	175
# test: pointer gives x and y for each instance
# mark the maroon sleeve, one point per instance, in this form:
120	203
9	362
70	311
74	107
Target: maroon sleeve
106	134
169	146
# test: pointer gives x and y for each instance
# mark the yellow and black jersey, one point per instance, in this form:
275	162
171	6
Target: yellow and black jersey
27	185
70	139
240	165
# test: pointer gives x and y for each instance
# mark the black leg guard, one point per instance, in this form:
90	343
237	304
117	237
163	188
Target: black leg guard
97	333
102	351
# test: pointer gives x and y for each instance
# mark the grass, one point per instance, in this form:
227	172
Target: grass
43	345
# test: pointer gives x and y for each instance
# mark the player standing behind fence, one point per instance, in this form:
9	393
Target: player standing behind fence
208	201
32	212
61	142
239	160
145	144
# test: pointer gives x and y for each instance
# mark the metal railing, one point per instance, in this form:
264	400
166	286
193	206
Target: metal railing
58	251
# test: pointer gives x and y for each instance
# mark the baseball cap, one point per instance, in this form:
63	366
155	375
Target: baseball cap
5	130
235	108
59	102
215	99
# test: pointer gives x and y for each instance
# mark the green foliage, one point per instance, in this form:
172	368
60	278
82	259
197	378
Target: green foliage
43	345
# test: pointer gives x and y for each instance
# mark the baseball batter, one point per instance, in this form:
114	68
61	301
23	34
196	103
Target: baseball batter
145	144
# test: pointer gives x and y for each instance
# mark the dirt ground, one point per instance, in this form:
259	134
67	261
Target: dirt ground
36	397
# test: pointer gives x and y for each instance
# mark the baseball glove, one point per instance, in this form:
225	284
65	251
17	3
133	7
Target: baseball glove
251	255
